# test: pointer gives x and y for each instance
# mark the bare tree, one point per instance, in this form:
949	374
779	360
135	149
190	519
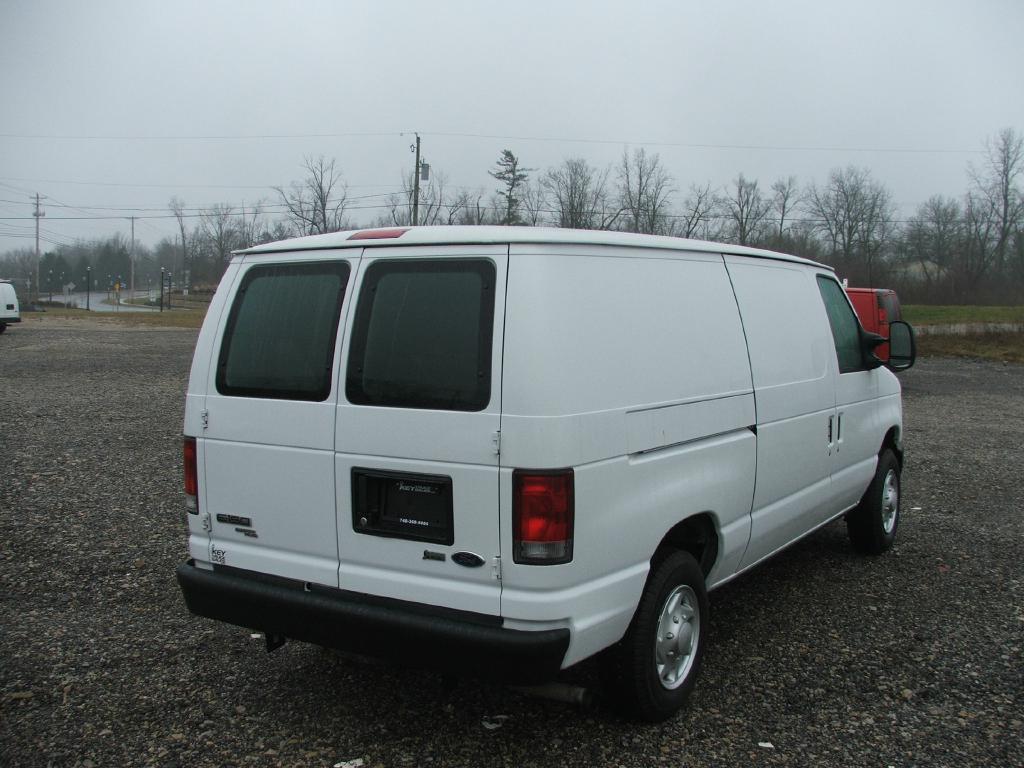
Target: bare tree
994	189
278	230
580	195
467	208
317	203
534	203
700	214
221	230
250	225
645	189
934	240
513	178
431	201
747	210
785	196
853	214
20	265
976	257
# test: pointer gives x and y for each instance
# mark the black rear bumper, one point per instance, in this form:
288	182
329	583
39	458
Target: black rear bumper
409	633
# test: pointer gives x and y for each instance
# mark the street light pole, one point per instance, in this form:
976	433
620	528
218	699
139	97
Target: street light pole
416	186
38	213
88	286
131	279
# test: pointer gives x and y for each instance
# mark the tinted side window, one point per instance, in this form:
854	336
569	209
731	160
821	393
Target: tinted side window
845	327
279	339
421	337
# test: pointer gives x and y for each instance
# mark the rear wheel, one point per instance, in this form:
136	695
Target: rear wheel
3	327
654	667
872	525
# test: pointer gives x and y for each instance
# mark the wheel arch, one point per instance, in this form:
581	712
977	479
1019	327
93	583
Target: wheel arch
696	534
893	441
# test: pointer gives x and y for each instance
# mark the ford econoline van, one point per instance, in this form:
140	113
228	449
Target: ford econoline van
10	312
506	450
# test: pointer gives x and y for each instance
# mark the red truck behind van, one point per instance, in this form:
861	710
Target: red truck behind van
876	308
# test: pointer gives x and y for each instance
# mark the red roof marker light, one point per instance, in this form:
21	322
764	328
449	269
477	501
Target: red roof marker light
378	234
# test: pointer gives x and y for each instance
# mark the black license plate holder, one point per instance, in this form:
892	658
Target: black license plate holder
402	505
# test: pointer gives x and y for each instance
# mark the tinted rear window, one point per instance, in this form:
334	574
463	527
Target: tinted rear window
279	339
422	335
891	304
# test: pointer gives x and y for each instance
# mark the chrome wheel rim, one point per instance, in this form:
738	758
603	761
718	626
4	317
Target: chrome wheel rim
890	501
675	646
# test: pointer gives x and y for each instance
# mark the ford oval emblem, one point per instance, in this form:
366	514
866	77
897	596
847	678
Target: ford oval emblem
468	559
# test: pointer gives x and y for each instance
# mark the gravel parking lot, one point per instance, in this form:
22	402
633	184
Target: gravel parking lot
828	658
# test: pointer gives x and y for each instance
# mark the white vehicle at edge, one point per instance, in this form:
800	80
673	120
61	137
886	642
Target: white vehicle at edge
10	312
510	449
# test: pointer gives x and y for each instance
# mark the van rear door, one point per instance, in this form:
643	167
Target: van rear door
417	427
269	440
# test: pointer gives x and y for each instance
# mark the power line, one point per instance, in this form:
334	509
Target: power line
197	137
698	145
496	136
551	211
165	186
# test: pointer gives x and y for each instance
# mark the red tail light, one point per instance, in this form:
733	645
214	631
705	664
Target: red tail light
191	476
542	516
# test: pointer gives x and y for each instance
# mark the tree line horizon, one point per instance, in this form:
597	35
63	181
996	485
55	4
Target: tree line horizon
967	249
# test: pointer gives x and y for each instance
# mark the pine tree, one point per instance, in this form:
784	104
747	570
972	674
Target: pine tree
513	177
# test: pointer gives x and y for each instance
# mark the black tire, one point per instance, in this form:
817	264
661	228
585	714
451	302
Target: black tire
3	327
632	665
872	525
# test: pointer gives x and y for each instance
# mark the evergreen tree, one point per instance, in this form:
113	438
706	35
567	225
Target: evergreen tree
513	178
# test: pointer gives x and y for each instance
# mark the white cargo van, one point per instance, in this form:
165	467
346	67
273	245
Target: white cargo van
509	449
10	312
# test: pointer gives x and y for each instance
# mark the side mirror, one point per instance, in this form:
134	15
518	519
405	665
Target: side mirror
902	346
868	343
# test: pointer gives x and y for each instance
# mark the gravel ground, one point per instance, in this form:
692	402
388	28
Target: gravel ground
909	659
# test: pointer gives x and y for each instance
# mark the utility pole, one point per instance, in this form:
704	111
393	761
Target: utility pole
37	213
415	187
131	262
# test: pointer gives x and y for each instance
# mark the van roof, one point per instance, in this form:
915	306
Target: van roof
490	235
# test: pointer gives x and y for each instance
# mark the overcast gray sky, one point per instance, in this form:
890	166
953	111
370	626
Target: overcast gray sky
115	105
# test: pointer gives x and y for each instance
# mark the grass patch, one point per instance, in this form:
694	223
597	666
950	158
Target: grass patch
178	318
177	302
933	314
1005	347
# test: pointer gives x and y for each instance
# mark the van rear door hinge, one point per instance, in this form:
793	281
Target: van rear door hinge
496	441
496	567
205	416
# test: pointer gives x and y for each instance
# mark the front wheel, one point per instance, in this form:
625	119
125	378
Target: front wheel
654	667
872	525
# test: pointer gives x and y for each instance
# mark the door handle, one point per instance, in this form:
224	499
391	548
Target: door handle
831	423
